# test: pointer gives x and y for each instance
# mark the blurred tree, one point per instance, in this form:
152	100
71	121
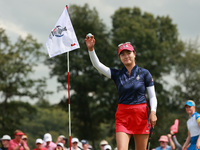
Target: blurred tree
17	63
187	75
16	111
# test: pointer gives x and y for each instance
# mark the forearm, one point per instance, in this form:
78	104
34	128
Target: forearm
26	148
98	65
172	144
198	142
177	144
186	142
152	98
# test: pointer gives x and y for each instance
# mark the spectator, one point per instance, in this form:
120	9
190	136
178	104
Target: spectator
17	143
85	144
90	147
5	142
177	144
60	146
39	145
25	138
193	126
107	147
62	139
103	143
75	142
163	143
48	142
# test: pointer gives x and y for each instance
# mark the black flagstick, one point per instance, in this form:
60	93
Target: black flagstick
149	140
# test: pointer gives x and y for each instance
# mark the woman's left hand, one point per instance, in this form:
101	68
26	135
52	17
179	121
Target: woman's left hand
153	118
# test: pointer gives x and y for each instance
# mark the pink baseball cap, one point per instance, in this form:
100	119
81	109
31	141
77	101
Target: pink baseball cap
18	132
125	46
163	138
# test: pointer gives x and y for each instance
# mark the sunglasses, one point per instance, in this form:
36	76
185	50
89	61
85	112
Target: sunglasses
124	43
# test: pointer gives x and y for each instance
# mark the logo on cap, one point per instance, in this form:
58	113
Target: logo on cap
125	46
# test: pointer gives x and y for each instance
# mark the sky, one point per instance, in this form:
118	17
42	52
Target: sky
38	17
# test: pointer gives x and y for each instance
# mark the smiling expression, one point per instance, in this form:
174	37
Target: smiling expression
127	57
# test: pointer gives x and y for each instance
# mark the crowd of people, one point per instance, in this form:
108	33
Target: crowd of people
20	143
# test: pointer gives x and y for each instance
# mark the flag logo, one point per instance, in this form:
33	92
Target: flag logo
57	31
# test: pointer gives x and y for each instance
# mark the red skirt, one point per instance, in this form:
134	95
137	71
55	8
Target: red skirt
132	119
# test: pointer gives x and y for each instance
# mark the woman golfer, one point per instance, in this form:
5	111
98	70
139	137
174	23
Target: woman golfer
132	116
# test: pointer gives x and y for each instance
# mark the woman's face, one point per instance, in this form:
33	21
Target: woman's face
127	57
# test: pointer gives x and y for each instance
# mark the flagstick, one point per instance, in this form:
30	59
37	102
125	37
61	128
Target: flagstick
69	100
54	45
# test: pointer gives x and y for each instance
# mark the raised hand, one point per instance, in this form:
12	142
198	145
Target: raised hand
90	41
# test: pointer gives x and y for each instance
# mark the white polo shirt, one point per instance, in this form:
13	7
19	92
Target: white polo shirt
192	124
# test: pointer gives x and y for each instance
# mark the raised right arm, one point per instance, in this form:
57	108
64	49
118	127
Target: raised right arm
90	42
98	65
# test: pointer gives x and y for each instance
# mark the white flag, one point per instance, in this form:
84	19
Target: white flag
62	37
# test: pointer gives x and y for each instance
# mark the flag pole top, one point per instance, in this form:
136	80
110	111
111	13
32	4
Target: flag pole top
67	7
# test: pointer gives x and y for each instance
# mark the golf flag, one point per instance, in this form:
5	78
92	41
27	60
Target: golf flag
62	37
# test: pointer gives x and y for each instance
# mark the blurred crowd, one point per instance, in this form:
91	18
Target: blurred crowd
20	143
